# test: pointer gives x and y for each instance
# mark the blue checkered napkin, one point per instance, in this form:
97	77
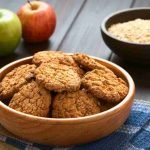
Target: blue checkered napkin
133	135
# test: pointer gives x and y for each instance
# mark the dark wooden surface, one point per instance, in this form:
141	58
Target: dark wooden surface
78	30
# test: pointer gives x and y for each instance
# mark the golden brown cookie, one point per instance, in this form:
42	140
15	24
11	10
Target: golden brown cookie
74	104
58	77
32	99
105	85
53	56
15	79
89	63
79	71
56	57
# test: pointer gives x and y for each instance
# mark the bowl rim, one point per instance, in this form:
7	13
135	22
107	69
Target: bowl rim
94	117
103	24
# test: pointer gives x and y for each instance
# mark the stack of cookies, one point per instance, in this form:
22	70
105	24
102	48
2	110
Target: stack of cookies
59	85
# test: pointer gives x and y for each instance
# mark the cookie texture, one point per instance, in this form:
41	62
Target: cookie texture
105	85
74	104
56	57
15	79
58	77
32	99
79	71
89	63
53	56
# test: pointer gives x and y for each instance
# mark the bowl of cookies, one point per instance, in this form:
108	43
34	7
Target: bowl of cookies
63	99
126	33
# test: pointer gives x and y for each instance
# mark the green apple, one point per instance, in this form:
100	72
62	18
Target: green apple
10	32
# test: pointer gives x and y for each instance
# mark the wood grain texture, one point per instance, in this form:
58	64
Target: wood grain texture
139	73
141	3
66	11
84	36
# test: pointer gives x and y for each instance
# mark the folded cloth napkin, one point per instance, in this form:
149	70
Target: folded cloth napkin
134	134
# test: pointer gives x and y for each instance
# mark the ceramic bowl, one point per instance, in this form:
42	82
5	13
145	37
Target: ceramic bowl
71	131
132	52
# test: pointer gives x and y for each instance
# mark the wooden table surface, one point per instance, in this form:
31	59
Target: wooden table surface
78	30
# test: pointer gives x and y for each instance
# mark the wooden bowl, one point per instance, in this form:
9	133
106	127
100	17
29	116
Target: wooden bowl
129	51
71	131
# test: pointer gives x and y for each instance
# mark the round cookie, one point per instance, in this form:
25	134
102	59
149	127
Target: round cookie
15	79
89	63
53	56
32	99
56	57
105	85
74	104
58	77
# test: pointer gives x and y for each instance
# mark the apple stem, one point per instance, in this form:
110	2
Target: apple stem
29	3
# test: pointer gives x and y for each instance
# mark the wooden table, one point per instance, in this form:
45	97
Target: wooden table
78	30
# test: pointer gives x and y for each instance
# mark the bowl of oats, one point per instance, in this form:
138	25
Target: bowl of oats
127	34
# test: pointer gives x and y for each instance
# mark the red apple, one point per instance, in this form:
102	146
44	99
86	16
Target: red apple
38	21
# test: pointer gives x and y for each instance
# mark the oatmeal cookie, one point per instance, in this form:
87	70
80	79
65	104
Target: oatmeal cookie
58	77
74	104
56	57
15	79
105	86
53	56
32	99
89	63
79	71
